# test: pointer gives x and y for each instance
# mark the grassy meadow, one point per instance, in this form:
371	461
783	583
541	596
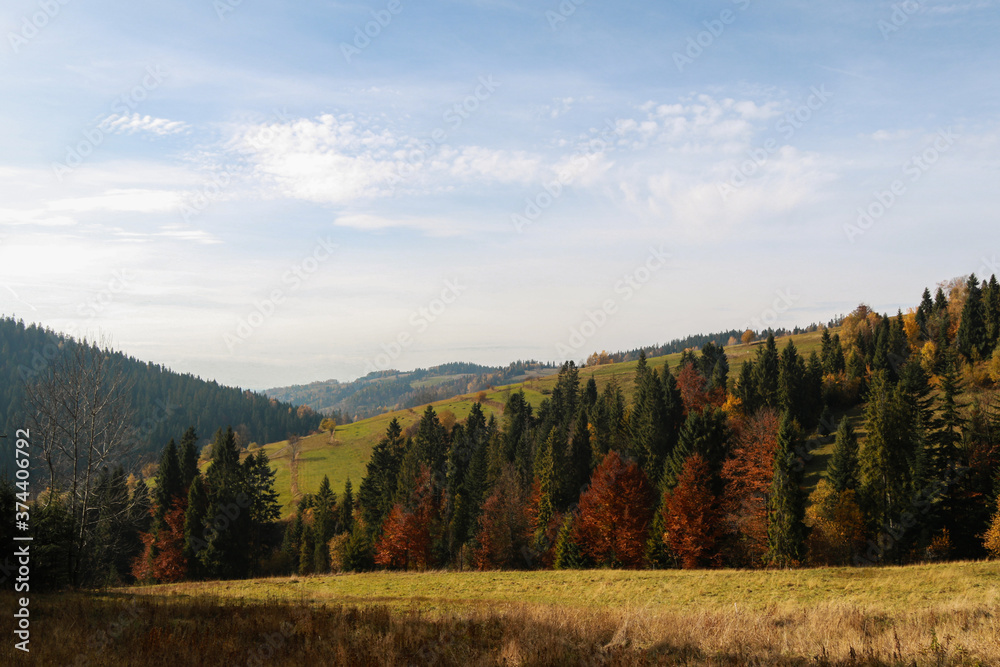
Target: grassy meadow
940	614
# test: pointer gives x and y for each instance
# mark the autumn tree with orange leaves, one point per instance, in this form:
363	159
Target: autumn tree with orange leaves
693	388
406	534
504	536
615	513
747	475
691	516
162	559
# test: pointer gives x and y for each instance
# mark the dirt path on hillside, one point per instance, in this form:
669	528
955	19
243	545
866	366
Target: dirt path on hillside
293	470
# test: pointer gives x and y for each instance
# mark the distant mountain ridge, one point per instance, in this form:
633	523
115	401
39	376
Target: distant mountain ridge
389	390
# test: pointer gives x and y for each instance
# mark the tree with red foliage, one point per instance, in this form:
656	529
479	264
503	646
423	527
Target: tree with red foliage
747	475
615	513
691	516
693	388
504	526
163	558
406	533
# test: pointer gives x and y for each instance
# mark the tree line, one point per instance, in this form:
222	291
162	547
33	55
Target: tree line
698	469
690	466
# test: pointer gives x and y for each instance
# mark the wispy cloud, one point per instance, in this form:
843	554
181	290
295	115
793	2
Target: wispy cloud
126	124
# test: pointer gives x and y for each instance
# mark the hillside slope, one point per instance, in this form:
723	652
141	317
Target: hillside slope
345	455
165	403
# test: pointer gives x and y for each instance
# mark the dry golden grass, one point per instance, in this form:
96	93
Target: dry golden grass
121	629
944	614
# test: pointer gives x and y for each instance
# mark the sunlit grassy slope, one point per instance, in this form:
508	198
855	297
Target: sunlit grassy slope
889	589
348	453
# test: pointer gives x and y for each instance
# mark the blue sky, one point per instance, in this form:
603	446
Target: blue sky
251	192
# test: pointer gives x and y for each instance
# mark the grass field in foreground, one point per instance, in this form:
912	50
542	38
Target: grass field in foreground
941	614
889	589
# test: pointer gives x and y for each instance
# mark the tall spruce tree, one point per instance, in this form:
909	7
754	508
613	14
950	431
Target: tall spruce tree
379	484
767	370
786	528
842	472
971	339
169	485
887	456
195	527
188	455
227	554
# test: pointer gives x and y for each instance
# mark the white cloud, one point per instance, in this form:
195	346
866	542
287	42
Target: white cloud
182	233
434	226
138	200
125	124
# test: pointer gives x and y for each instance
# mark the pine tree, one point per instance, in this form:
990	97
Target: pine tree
791	381
924	312
657	555
567	552
971	340
767	369
358	553
188	455
307	552
842	472
227	554
887	455
949	431
590	393
786	529
719	376
430	443
746	388
839	363
379	485
194	526
706	433
168	482
991	313
346	518
580	458
826	351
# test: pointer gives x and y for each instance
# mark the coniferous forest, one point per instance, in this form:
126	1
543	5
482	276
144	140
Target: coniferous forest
695	469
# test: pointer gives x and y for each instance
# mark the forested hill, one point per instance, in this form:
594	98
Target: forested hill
388	390
382	391
165	403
